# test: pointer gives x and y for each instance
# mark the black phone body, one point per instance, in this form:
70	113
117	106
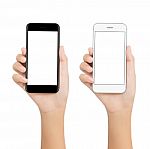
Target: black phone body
42	64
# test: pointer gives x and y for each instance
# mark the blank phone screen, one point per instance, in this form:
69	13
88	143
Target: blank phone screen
42	57
109	60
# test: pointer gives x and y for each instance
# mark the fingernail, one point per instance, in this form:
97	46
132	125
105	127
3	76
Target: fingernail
91	80
91	59
129	48
24	59
23	69
90	69
25	80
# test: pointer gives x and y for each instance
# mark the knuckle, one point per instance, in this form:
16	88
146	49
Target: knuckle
85	57
19	66
13	66
17	57
81	65
81	76
14	77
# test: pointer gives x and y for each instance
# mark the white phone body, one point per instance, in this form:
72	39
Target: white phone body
109	57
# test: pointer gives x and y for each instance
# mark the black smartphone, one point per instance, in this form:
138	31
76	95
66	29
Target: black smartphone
42	44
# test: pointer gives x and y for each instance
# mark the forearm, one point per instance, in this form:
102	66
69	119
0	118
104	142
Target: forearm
52	130
119	130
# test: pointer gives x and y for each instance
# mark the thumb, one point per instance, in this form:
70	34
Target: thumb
62	55
130	69
130	57
63	67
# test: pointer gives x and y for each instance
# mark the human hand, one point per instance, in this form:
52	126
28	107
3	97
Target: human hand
46	102
112	102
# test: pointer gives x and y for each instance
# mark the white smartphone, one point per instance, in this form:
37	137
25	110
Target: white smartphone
109	57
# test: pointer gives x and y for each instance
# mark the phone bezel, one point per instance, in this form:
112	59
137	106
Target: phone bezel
43	27
109	27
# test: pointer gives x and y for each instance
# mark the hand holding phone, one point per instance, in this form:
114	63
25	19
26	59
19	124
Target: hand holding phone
114	102
45	101
51	105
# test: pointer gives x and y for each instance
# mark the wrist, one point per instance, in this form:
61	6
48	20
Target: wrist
52	126
122	114
50	107
53	119
119	130
119	109
52	113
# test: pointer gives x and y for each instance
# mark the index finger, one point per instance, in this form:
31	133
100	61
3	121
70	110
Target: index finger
90	51
23	50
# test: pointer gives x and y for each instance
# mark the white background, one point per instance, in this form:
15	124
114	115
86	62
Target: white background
42	58
109	58
85	119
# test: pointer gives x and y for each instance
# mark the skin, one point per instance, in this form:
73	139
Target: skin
51	105
118	106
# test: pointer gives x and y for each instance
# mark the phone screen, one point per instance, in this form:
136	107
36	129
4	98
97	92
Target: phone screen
109	56
42	57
